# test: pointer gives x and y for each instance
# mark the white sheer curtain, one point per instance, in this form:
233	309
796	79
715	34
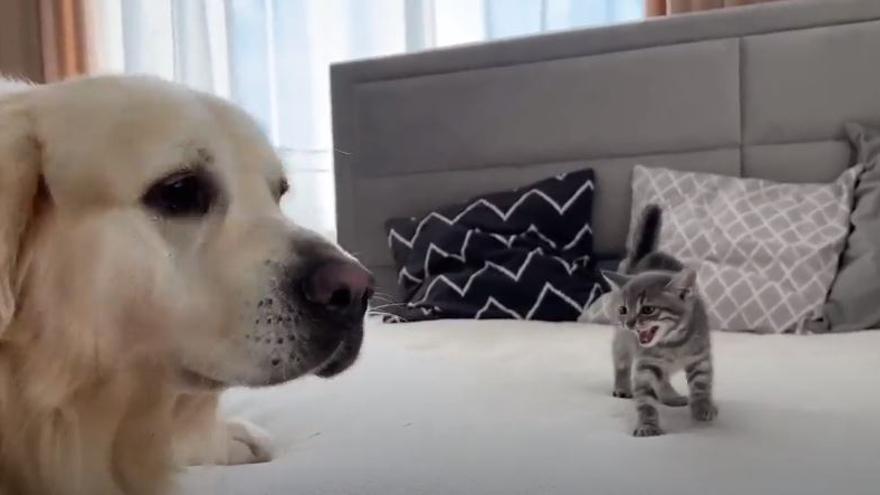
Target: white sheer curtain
272	57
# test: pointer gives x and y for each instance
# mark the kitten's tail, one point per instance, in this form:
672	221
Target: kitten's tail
647	234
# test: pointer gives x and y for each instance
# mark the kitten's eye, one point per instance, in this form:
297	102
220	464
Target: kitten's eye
182	194
647	310
621	310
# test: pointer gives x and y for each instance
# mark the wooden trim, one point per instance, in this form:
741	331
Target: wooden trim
65	40
667	7
20	47
654	8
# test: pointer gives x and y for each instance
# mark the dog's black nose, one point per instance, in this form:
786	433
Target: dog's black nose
342	287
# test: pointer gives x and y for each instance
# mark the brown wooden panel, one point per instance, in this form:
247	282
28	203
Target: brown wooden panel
20	49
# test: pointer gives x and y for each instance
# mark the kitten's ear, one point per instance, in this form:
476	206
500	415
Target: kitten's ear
615	280
683	282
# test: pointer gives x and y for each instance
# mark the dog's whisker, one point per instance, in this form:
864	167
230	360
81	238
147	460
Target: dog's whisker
381	306
384	314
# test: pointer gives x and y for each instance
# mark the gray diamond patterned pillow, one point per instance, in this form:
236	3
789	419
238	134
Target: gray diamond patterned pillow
765	252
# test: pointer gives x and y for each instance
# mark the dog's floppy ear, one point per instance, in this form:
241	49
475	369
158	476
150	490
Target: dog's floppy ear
19	183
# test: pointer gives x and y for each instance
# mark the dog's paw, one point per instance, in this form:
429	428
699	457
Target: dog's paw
704	411
647	431
622	394
246	443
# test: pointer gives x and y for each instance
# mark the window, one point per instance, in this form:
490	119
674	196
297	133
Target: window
272	57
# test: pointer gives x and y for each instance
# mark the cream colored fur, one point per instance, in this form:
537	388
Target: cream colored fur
108	312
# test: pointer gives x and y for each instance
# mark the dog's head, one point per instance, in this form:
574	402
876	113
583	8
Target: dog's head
139	218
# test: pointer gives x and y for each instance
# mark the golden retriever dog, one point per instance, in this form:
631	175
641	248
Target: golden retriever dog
145	265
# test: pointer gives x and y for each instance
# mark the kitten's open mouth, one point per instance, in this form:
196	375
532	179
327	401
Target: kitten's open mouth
647	336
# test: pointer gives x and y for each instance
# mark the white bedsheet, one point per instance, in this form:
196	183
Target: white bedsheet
501	407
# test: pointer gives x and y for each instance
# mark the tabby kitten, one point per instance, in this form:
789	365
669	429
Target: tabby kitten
663	329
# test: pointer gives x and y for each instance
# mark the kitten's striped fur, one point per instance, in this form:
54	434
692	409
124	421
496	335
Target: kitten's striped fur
662	329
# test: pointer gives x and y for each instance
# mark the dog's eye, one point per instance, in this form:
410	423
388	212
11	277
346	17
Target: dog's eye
283	187
621	310
647	310
182	194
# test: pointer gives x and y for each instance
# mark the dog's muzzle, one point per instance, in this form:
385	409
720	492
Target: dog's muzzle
339	289
338	293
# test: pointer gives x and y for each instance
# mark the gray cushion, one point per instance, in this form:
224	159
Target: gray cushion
810	161
801	85
594	104
854	300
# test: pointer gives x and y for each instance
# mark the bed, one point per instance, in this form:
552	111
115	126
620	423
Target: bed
483	407
500	407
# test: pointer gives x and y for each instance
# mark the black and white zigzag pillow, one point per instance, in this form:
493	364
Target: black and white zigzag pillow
523	254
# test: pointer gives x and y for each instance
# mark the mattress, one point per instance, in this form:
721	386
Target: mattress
503	407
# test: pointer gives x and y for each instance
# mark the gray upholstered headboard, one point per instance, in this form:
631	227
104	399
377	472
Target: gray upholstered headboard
757	91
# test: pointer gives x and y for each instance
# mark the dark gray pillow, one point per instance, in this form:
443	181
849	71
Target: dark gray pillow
854	300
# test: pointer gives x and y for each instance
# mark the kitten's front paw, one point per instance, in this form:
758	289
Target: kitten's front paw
704	410
622	394
647	431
